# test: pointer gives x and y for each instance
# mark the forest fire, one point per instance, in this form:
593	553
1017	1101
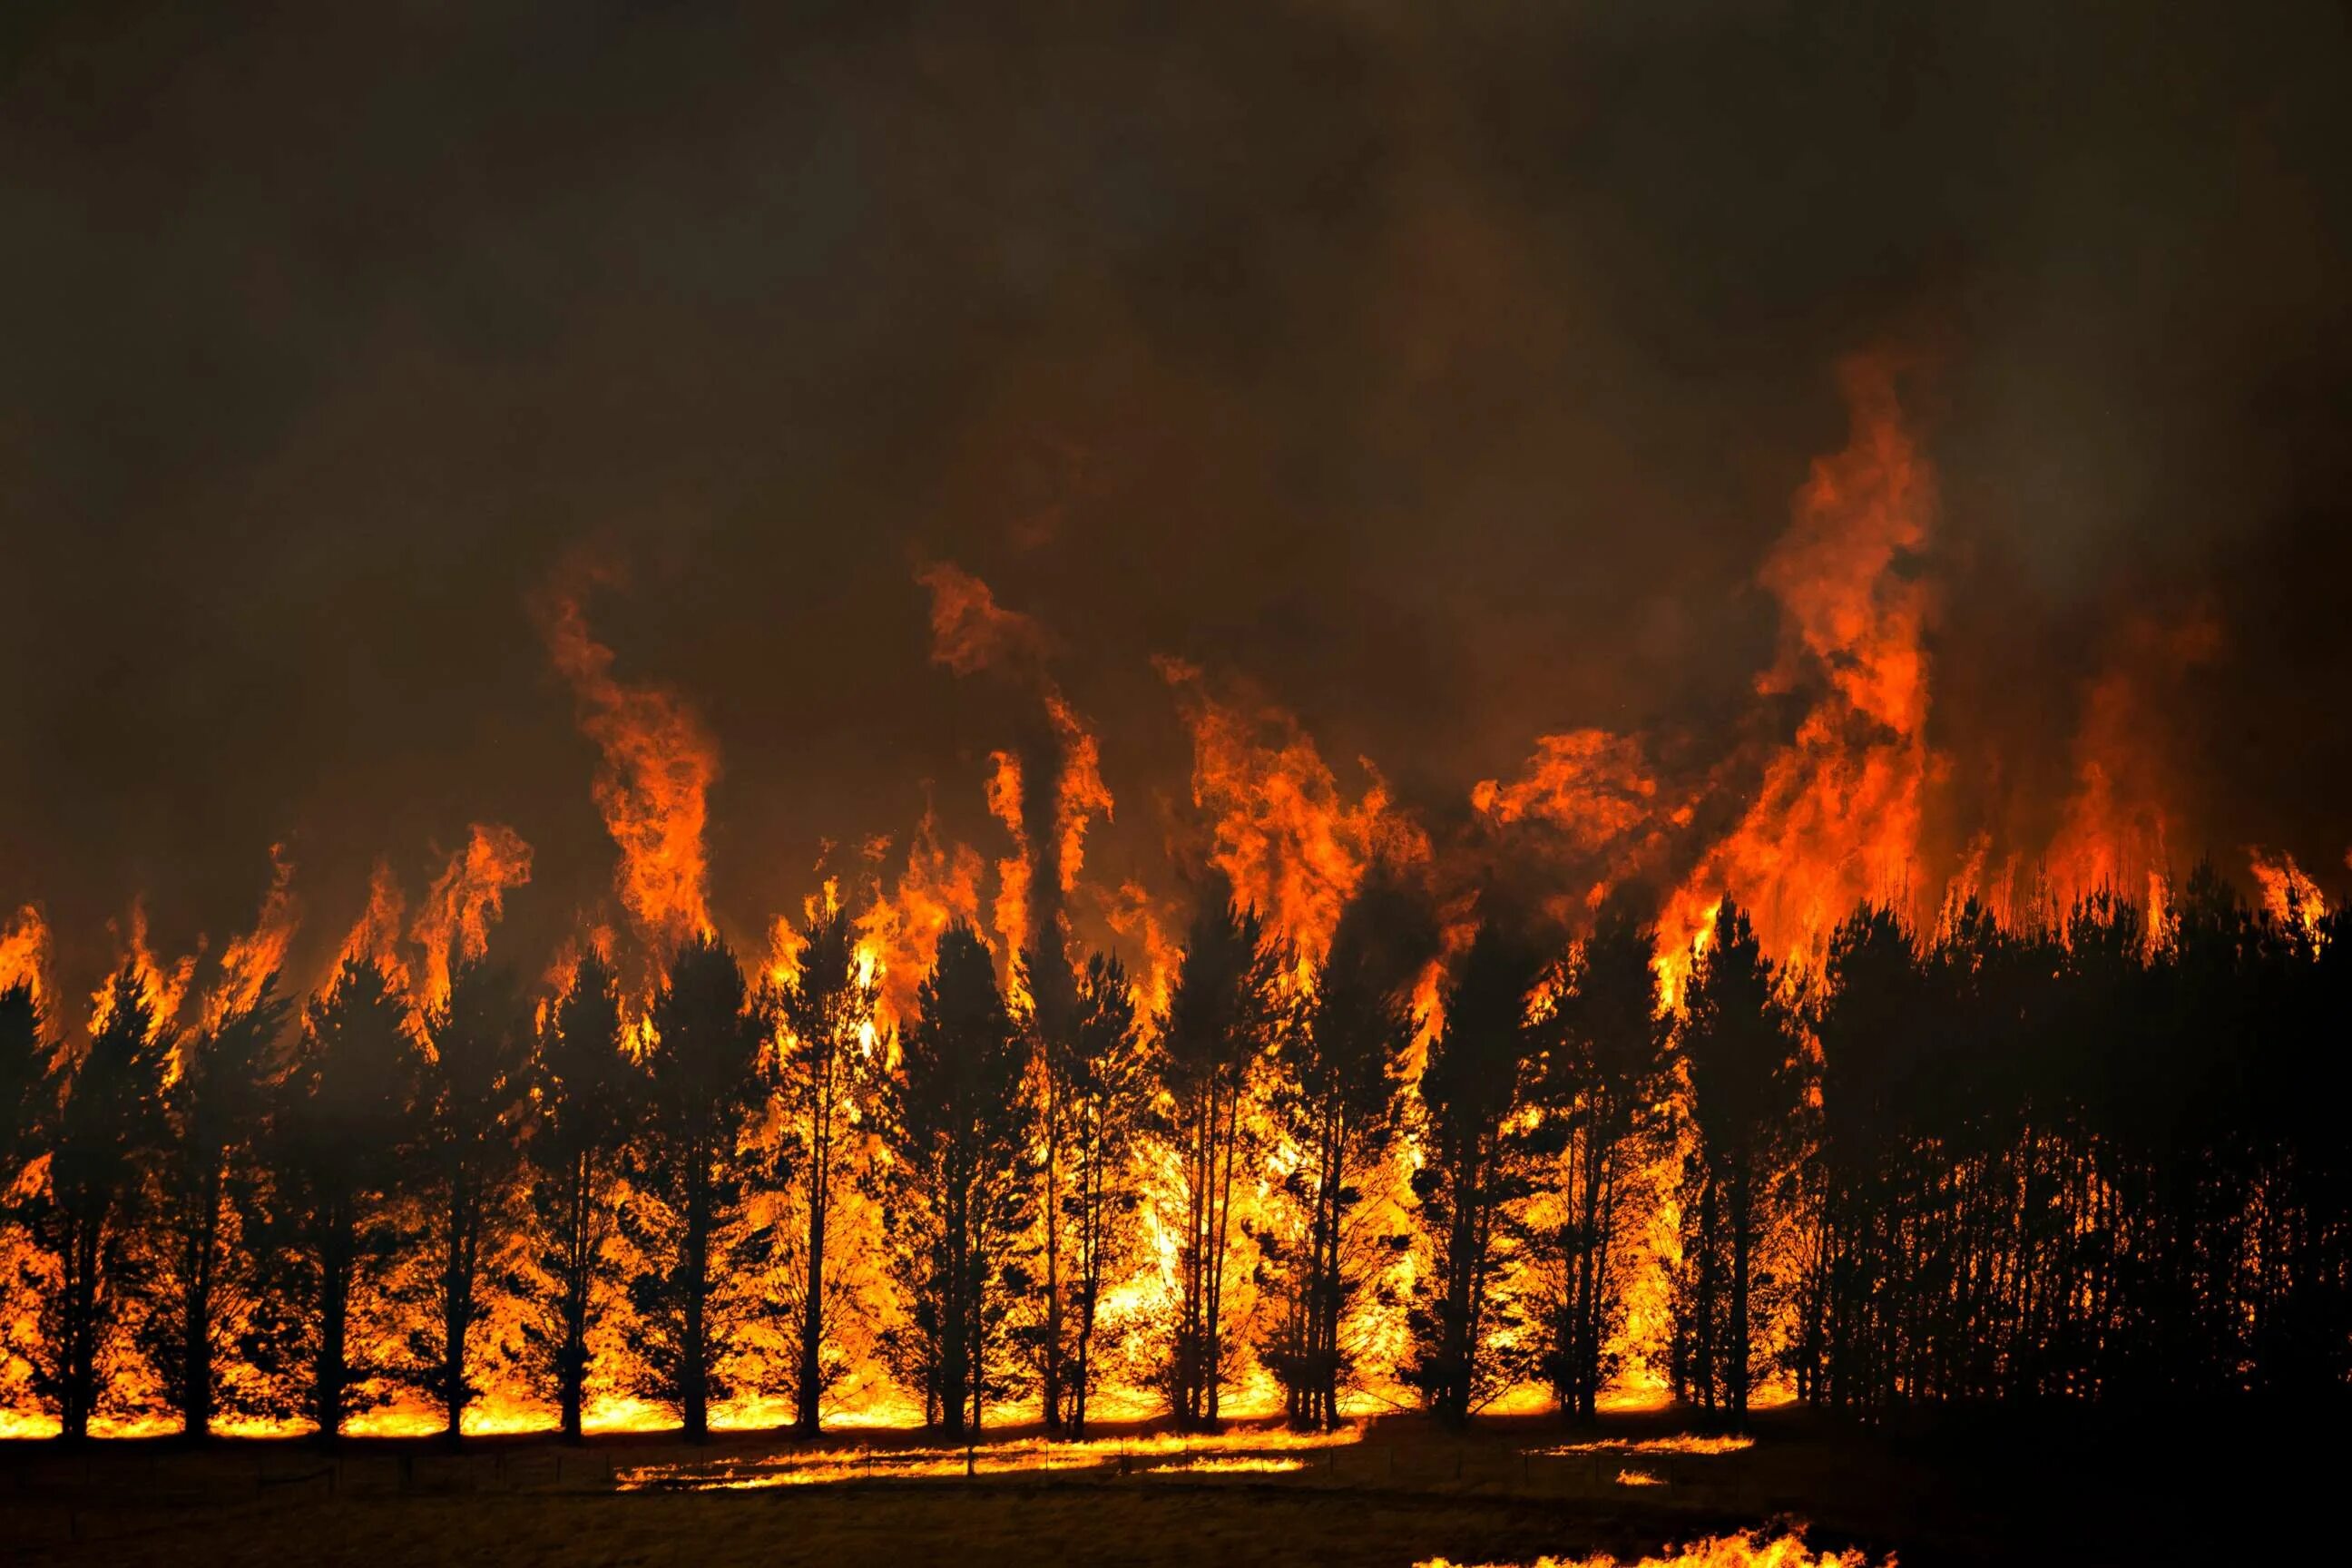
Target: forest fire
1297	784
1207	1173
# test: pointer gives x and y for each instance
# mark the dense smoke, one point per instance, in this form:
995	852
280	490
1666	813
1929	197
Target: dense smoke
1441	382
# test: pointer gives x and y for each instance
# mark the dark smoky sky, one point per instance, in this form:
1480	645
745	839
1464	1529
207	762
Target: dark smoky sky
1446	370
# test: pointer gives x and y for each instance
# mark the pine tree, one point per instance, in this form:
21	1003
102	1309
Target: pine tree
1103	1073
84	1216
1336	1097
829	1055
472	1094
589	1094
1736	1044
1225	1014
1871	1022
691	1178
1471	1173
24	1065
201	1280
954	1122
1602	1087
338	1133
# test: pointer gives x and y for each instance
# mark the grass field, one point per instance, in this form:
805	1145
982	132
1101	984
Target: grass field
1392	1493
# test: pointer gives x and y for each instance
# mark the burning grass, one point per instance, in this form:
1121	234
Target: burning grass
1269	1451
1677	1443
1718	1551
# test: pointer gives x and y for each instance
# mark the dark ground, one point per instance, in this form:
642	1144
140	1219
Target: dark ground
1960	1492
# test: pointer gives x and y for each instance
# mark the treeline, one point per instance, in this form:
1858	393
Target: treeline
2090	1159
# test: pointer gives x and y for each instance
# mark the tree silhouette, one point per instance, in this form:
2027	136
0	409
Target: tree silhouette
1337	1094
1872	1023
955	1124
473	1089
1469	1086
1603	1086
201	1281
829	1055
101	1123
1224	1013
589	1092
338	1128
1736	1043
691	1177
1104	1075
24	1065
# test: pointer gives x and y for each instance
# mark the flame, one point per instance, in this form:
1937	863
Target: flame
899	933
1131	913
1240	1451
165	988
375	938
652	787
24	953
1080	793
1753	1551
248	960
2115	826
1285	835
1590	785
969	630
2288	896
1675	1443
1011	910
1837	818
454	926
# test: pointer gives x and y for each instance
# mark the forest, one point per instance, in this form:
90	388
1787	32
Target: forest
2089	1157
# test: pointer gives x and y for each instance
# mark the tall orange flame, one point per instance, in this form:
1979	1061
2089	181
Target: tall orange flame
2117	824
454	926
248	960
657	770
1012	909
1285	835
375	937
900	932
2288	896
24	953
164	986
1837	818
1080	794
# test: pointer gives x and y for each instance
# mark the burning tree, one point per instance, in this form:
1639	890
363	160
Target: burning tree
589	1094
1470	1089
323	1223
829	1055
1224	1012
954	1125
24	1063
1337	1098
1103	1074
201	1281
690	1176
1602	1089
100	1118
472	1095
1736	1040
